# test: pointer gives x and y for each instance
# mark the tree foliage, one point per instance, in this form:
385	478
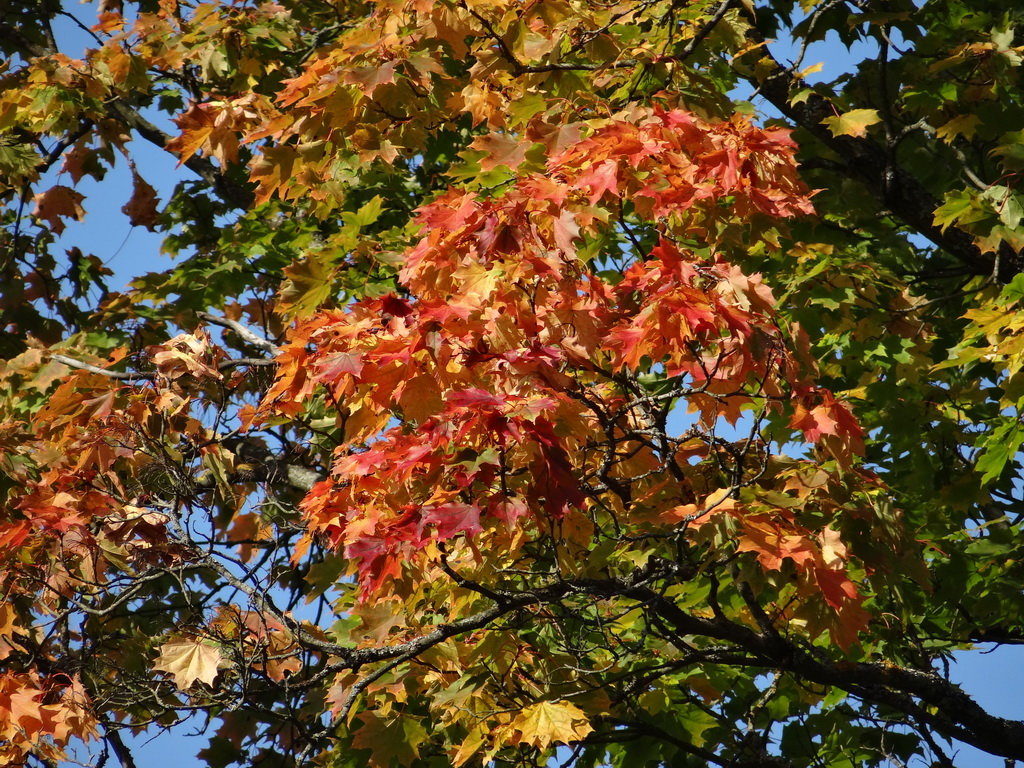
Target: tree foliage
517	385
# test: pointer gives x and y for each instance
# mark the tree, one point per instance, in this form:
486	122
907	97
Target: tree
517	386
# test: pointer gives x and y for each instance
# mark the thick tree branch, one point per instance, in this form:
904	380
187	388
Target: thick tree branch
230	193
12	35
922	695
124	755
944	705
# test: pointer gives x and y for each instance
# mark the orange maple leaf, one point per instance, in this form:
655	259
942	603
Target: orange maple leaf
56	204
141	208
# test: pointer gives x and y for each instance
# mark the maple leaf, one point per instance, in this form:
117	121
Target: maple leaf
600	178
141	208
961	125
391	740
508	510
500	149
833	550
25	709
79	161
183	355
278	668
57	203
773	543
829	421
196	128
13	535
339	364
307	286
814	422
378	620
836	587
550	722
188	661
469	747
853	123
566	230
368	79
8	629
474	397
420	397
452	519
210	127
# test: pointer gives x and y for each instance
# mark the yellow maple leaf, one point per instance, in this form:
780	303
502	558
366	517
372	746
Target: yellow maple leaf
549	722
187	661
961	125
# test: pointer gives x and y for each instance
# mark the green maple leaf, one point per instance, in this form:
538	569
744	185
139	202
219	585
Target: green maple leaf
852	123
391	742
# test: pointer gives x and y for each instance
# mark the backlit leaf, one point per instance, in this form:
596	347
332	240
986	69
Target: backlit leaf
188	661
853	123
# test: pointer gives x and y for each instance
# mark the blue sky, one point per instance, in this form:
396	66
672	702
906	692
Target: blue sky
994	676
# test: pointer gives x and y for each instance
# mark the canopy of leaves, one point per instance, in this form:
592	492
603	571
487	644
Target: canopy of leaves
517	387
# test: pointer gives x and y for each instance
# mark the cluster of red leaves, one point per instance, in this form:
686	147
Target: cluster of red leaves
88	443
671	161
503	368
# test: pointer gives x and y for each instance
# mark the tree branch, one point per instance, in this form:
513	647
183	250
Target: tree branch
118	375
124	755
131	376
203	167
943	705
870	163
246	334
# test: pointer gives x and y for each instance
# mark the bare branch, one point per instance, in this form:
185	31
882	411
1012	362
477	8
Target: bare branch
246	334
119	375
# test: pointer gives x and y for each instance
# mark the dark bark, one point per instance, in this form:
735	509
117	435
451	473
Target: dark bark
875	166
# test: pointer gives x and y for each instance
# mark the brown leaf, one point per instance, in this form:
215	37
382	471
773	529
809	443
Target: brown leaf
185	354
56	203
141	208
369	78
78	160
